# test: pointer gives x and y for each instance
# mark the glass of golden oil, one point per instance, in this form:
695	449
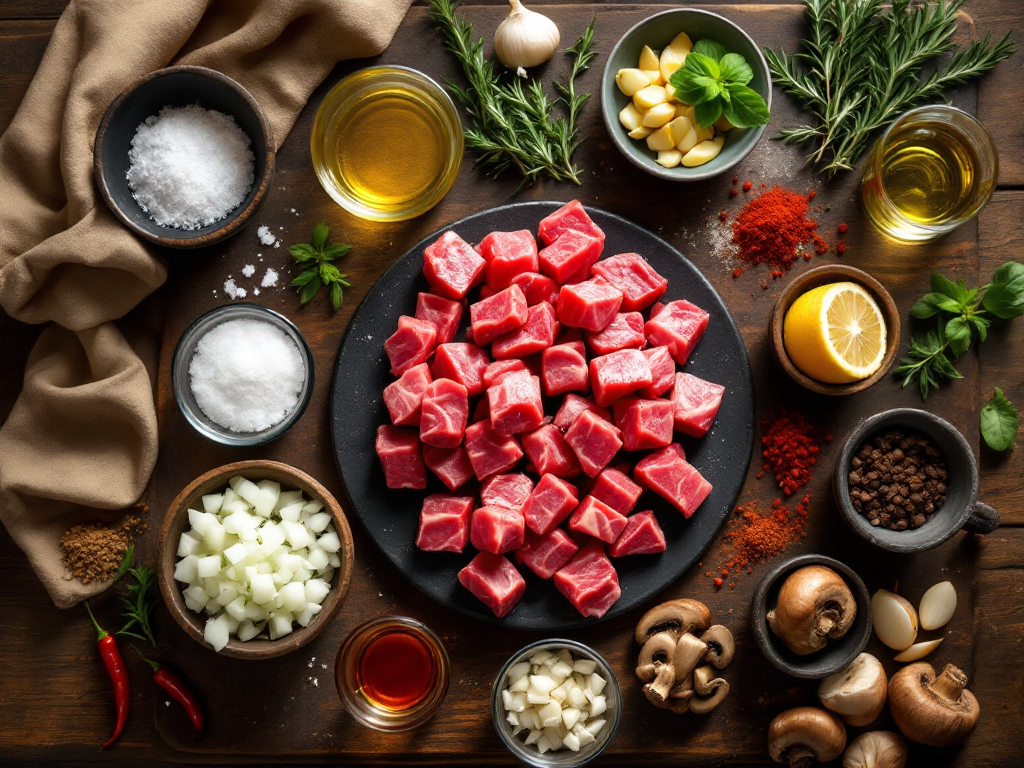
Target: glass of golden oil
933	169
387	143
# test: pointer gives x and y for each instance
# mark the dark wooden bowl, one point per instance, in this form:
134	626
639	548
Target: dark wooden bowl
174	524
813	278
178	87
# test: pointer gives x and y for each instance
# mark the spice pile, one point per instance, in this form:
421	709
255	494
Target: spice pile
791	448
94	551
772	227
755	534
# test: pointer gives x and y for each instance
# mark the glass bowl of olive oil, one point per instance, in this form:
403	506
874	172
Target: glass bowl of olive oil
387	143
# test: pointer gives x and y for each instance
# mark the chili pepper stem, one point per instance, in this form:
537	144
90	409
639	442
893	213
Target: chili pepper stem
152	664
100	632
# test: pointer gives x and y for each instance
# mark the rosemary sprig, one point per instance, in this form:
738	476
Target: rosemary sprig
862	66
138	601
317	256
513	125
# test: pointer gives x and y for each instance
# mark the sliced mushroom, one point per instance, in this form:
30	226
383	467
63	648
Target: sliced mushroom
683	690
656	666
804	735
676	616
688	654
721	646
709	691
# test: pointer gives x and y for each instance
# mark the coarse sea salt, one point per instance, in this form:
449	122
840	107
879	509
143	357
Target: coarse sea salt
246	375
248	270
265	235
190	167
269	279
232	289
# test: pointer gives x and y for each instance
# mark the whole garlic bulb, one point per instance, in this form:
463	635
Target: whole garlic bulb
525	38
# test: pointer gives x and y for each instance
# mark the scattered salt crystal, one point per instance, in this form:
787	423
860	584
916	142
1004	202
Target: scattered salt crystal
255	291
232	290
265	235
248	270
277	244
269	279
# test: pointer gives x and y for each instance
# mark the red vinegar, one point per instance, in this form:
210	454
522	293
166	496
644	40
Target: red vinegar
396	671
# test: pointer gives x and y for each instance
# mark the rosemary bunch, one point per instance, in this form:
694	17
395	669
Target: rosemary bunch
514	125
863	65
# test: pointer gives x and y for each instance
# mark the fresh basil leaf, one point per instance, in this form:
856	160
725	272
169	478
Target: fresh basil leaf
950	305
703	65
691	86
336	251
1008	272
958	334
304	277
710	48
999	422
980	324
746	108
308	291
734	69
927	306
1005	297
336	296
942	284
320	233
302	252
707	112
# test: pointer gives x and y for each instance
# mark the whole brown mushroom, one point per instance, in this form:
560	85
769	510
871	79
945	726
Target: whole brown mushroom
938	711
805	735
876	749
814	604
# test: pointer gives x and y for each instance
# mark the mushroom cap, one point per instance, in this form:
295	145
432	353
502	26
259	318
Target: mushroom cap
717	689
814	604
804	735
677	616
876	749
938	711
658	649
721	646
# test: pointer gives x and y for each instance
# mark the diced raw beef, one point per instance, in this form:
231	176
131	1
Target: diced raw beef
451	465
641	286
452	266
551	502
594	440
571	255
616	490
569	335
589	581
625	331
537	288
410	345
549	453
405	396
508	254
490	451
569	216
641	536
678	326
696	404
538	333
618	374
590	305
572	406
671	477
481	412
444	523
443	314
564	369
494	581
464	363
510	491
503	312
546	554
644	423
663	372
515	403
494	372
597	519
445	412
497	529
399	452
656	307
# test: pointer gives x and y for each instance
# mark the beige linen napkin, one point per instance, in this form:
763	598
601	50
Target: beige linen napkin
82	435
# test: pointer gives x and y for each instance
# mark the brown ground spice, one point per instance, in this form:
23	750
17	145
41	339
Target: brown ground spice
755	534
93	551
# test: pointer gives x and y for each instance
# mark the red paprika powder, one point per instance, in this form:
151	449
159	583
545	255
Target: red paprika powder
791	447
771	228
755	534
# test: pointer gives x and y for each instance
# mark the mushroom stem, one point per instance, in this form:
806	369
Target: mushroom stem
658	689
949	685
800	757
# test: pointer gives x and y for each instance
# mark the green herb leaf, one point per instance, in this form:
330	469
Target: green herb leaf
336	251
138	602
734	69
318	255
302	252
927	306
710	48
1004	298
951	305
335	295
958	334
746	108
319	238
308	291
703	65
707	112
942	284
981	325
999	422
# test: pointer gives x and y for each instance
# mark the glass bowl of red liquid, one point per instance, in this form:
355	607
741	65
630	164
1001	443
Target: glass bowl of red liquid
392	673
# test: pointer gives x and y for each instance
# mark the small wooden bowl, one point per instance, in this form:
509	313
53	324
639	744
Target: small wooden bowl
813	278
176	520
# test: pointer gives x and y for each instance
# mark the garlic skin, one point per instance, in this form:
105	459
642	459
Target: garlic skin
525	38
876	749
856	693
814	604
937	605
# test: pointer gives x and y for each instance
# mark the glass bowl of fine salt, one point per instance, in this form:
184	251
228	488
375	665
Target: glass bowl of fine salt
242	374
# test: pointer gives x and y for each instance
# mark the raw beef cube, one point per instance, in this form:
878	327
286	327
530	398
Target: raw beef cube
617	374
572	406
481	412
537	288
564	369
452	266
678	326
569	216
503	312
399	452
494	372
405	396
641	536
597	519
550	503
441	313
594	440
663	372
510	491
508	254
572	255
490	452
451	465
625	331
549	453
590	305
444	523
546	554
515	403
497	529
671	477
616	490
538	333
696	404
589	581
644	423
445	413
410	345
494	581
464	363
656	307
641	286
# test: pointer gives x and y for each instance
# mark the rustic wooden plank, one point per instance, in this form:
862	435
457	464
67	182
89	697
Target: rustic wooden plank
1002	86
21	49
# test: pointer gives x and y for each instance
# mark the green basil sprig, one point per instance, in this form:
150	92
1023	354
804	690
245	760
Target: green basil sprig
999	422
715	83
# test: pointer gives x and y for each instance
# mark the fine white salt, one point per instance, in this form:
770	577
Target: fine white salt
265	235
248	270
269	279
189	166
246	375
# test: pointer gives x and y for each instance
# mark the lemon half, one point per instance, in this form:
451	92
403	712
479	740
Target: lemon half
835	333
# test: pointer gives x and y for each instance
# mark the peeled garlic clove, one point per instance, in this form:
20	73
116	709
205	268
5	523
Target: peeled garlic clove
640	133
648	58
630	117
631	80
895	620
938	605
661	140
658	115
670	158
919	650
649	97
704	152
525	38
688	142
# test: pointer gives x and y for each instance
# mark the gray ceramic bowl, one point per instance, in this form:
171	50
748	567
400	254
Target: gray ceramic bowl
837	653
657	31
179	87
962	510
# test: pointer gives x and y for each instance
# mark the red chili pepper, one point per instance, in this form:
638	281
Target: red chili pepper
118	673
178	689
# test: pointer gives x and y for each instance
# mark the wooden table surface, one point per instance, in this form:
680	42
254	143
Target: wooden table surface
55	700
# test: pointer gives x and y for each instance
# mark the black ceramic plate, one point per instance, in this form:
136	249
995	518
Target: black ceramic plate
391	517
